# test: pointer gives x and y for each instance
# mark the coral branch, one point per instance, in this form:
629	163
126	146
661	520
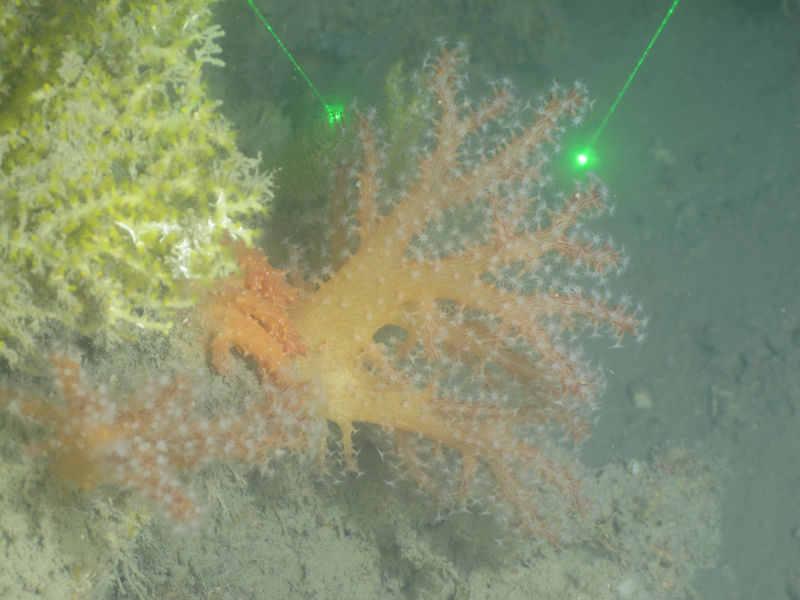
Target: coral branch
248	312
149	440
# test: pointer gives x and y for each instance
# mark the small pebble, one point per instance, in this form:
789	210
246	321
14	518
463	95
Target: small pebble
641	396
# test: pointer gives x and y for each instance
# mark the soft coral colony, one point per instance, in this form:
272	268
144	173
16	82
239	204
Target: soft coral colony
447	321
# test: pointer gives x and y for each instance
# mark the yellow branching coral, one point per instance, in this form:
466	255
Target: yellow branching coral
116	172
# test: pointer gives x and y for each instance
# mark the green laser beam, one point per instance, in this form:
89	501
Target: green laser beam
639	64
335	115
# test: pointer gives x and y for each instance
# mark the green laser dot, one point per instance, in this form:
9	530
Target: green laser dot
335	115
333	121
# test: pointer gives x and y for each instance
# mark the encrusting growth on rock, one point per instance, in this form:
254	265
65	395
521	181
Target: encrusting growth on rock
117	172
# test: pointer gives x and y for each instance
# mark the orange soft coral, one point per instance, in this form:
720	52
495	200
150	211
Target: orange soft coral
148	440
450	314
247	312
449	320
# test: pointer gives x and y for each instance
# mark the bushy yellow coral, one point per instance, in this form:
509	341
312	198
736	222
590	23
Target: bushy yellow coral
116	172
